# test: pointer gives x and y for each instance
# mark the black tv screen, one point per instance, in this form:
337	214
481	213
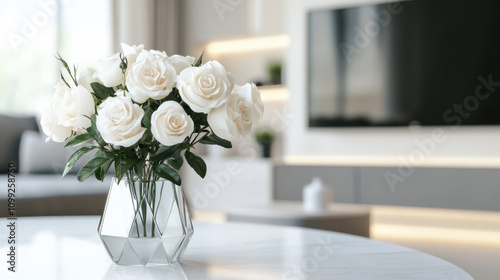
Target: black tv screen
422	62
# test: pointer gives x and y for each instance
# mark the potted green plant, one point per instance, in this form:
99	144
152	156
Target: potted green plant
265	137
274	71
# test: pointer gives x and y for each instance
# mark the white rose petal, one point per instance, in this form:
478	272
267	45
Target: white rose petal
48	121
252	96
75	108
150	77
86	77
228	122
153	54
236	117
61	133
109	71
60	89
170	124
54	131
206	87
119	121
131	52
180	62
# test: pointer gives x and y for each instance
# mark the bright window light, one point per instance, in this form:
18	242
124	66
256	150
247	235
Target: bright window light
33	31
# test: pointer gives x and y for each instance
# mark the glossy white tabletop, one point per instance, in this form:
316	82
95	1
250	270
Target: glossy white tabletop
69	248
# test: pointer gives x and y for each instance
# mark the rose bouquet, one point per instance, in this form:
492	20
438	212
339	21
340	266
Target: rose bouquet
144	112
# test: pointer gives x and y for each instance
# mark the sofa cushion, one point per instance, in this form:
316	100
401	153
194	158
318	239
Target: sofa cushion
32	186
39	156
12	128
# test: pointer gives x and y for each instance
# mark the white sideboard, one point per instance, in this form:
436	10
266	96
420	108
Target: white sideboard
439	187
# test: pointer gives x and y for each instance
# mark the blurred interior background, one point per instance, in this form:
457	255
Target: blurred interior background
431	186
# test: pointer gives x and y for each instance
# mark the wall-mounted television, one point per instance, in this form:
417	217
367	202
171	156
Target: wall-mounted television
422	62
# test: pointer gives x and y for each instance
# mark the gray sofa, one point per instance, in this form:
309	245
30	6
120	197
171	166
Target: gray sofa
40	190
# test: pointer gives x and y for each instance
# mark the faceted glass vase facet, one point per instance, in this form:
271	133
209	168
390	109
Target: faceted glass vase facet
145	222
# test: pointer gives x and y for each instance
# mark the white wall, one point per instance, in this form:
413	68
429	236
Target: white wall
203	21
138	31
209	20
463	143
214	20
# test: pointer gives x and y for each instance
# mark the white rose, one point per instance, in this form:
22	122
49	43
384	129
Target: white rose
119	121
60	89
252	96
153	54
150	77
109	71
236	117
75	108
54	131
170	124
131	52
206	87
180	62
86	77
48	120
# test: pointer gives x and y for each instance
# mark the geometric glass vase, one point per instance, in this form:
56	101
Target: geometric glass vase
145	222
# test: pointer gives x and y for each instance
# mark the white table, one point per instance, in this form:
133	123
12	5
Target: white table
69	248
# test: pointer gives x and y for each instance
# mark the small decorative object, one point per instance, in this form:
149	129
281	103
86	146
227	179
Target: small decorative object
144	112
265	138
274	71
316	196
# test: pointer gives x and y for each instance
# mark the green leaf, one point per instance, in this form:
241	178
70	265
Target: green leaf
168	173
79	139
65	65
63	62
200	60
176	160
199	118
62	78
163	153
213	139
138	168
101	172
146	120
92	129
74	158
196	163
91	167
122	165
128	152
74	73
101	91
